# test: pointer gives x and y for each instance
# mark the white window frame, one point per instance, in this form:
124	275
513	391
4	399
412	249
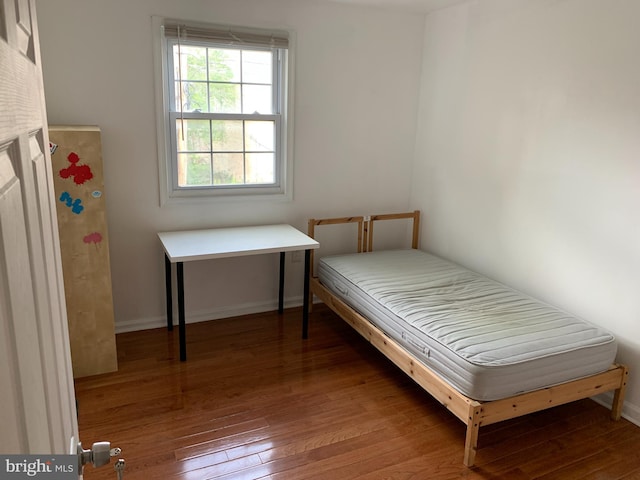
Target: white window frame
170	192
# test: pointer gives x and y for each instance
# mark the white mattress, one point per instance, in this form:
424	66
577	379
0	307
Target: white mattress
485	339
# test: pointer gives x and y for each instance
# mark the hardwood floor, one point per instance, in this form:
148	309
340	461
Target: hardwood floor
254	401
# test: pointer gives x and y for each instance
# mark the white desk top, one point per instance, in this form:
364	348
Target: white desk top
193	245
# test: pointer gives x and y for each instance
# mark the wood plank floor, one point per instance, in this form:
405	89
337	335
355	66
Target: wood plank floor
255	401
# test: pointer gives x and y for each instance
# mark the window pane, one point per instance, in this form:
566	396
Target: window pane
196	138
227	135
224	65
194	97
193	63
225	97
194	169
259	136
256	66
257	99
260	168
228	168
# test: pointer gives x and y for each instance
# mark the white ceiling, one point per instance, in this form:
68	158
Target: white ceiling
418	6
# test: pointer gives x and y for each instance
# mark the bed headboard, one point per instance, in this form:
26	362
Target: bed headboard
368	227
365	228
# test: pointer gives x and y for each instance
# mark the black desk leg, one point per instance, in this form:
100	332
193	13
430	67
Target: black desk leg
181	320
305	294
281	285
169	293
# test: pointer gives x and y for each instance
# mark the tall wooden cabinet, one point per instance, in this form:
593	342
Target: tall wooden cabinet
84	243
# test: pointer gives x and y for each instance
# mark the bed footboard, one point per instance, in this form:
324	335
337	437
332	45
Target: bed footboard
473	413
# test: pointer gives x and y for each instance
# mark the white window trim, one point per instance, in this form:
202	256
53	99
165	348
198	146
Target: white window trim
169	195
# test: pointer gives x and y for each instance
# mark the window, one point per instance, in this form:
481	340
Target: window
224	126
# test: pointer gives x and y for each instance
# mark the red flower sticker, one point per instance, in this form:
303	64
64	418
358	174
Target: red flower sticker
80	173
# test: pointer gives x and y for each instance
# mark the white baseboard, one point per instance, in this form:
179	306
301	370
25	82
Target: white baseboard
629	411
203	316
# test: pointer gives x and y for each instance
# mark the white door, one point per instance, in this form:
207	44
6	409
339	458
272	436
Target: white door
38	414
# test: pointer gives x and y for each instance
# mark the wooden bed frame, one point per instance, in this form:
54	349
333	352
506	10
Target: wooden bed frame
473	413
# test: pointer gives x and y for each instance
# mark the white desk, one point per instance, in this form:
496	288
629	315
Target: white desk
193	245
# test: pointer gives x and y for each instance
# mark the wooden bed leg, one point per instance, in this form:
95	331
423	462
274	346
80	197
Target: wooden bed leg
473	429
618	397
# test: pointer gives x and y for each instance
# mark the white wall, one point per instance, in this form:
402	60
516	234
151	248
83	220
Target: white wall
357	78
527	160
